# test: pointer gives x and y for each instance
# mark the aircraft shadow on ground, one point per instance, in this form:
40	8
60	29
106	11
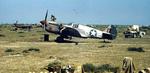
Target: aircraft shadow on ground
65	41
76	42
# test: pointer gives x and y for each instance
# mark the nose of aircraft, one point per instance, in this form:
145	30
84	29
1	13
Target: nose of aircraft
42	22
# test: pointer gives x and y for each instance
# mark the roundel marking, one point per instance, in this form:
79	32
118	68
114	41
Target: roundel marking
93	33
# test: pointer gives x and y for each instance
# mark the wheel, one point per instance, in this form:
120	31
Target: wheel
59	39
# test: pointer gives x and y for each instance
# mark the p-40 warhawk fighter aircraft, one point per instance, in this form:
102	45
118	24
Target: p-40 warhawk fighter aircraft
67	31
22	26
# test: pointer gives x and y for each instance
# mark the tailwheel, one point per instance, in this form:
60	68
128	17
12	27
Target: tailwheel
59	39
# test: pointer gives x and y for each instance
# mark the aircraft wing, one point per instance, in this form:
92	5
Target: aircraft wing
68	31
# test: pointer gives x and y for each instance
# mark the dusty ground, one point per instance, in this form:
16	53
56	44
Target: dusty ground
87	51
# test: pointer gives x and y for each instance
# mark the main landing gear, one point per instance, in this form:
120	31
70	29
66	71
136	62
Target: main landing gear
59	39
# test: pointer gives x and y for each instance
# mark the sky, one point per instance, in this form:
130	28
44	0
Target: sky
77	11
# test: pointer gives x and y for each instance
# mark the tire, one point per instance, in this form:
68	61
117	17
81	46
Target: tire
59	39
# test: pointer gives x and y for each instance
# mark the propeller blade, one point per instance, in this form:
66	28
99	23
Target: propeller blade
46	15
45	19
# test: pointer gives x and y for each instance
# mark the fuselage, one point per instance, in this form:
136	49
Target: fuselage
74	30
86	31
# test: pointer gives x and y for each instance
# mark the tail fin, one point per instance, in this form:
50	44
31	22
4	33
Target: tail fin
15	24
113	32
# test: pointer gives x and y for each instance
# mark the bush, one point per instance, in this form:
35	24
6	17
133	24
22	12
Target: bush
54	67
1	35
25	51
140	49
106	68
88	67
9	50
54	64
33	49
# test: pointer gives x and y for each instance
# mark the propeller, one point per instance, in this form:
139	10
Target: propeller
45	21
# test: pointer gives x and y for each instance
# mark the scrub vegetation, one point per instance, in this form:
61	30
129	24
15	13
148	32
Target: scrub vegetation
24	51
